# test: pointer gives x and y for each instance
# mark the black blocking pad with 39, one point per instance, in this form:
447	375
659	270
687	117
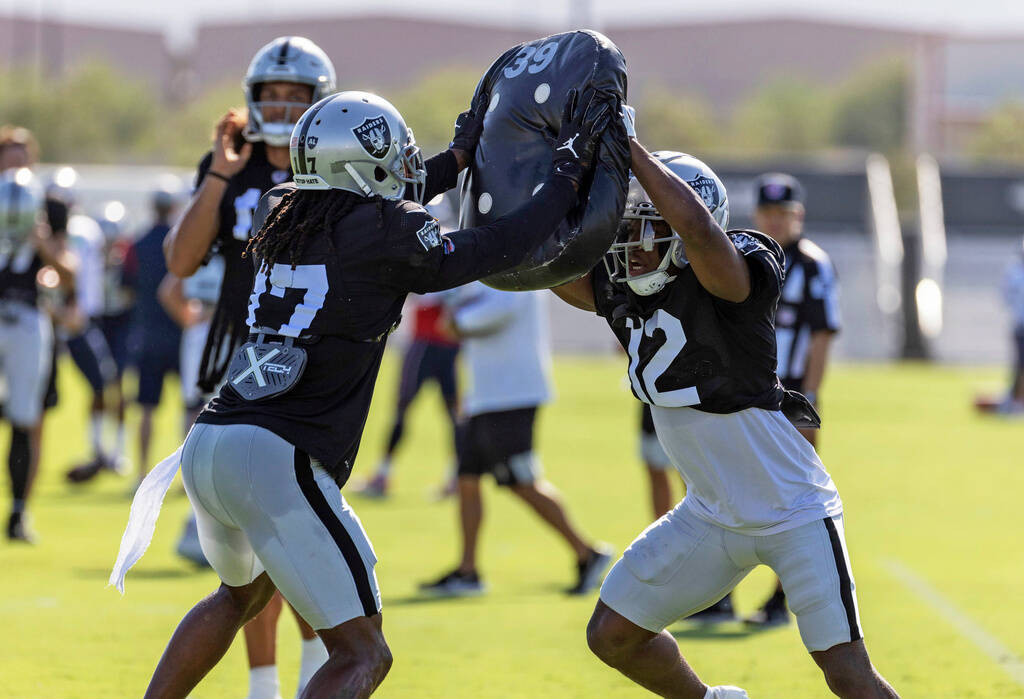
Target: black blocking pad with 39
527	88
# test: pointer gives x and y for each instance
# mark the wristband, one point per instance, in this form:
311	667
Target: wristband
212	173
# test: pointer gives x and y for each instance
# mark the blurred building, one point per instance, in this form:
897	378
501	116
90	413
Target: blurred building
50	48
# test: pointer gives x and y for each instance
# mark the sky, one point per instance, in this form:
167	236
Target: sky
178	18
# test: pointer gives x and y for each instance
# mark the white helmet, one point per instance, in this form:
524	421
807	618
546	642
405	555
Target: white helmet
704	182
20	204
358	142
290	59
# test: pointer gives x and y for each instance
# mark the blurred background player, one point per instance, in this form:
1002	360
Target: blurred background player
1013	292
19	148
26	334
430	356
156	337
249	156
116	318
507	349
78	320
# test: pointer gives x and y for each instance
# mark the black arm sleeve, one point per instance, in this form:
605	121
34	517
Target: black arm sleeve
442	174
472	253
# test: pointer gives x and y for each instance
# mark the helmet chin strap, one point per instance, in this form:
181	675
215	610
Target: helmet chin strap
360	182
652	284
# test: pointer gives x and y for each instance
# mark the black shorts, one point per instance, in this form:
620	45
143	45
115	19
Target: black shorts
499	443
1018	342
646	420
424	361
154	364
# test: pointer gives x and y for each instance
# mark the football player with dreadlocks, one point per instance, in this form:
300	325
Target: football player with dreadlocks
693	305
250	155
336	255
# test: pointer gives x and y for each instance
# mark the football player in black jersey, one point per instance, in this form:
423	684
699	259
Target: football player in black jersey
336	254
250	155
26	333
806	321
694	305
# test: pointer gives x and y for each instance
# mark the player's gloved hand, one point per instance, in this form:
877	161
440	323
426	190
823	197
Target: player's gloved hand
629	120
470	124
584	118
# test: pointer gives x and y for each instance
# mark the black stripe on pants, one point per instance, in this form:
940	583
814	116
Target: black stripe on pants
845	581
316	499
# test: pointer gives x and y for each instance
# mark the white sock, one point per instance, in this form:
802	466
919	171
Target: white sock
314	655
383	469
120	440
263	683
96	433
725	691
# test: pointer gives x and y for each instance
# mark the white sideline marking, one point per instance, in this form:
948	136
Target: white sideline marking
989	644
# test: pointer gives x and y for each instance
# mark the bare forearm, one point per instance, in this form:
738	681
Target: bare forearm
188	242
817	360
578	293
718	265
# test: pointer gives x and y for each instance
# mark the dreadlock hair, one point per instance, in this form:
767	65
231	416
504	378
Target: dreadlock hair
300	214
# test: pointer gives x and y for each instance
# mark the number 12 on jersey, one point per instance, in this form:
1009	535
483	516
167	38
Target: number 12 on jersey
645	382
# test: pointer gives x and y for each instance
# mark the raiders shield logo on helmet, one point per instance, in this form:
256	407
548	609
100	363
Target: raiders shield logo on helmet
311	141
375	136
708	191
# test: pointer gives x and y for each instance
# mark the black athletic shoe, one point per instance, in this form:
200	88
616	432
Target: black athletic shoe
772	613
17	530
86	472
590	571
455	584
718	613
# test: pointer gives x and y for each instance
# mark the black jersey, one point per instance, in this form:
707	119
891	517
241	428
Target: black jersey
689	348
809	303
347	292
18	271
237	206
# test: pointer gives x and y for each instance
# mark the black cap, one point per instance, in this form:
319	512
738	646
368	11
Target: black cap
776	188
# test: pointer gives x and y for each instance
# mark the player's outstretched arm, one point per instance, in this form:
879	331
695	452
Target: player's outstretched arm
578	293
719	266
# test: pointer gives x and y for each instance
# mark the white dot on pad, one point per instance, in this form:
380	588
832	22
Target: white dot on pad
484	205
495	98
537	188
541	94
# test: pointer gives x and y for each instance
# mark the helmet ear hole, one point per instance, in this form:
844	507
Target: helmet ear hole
379	174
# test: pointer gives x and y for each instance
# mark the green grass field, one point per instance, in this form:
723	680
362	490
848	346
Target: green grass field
929	488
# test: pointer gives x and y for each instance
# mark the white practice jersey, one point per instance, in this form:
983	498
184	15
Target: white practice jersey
507	347
85	239
748	471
